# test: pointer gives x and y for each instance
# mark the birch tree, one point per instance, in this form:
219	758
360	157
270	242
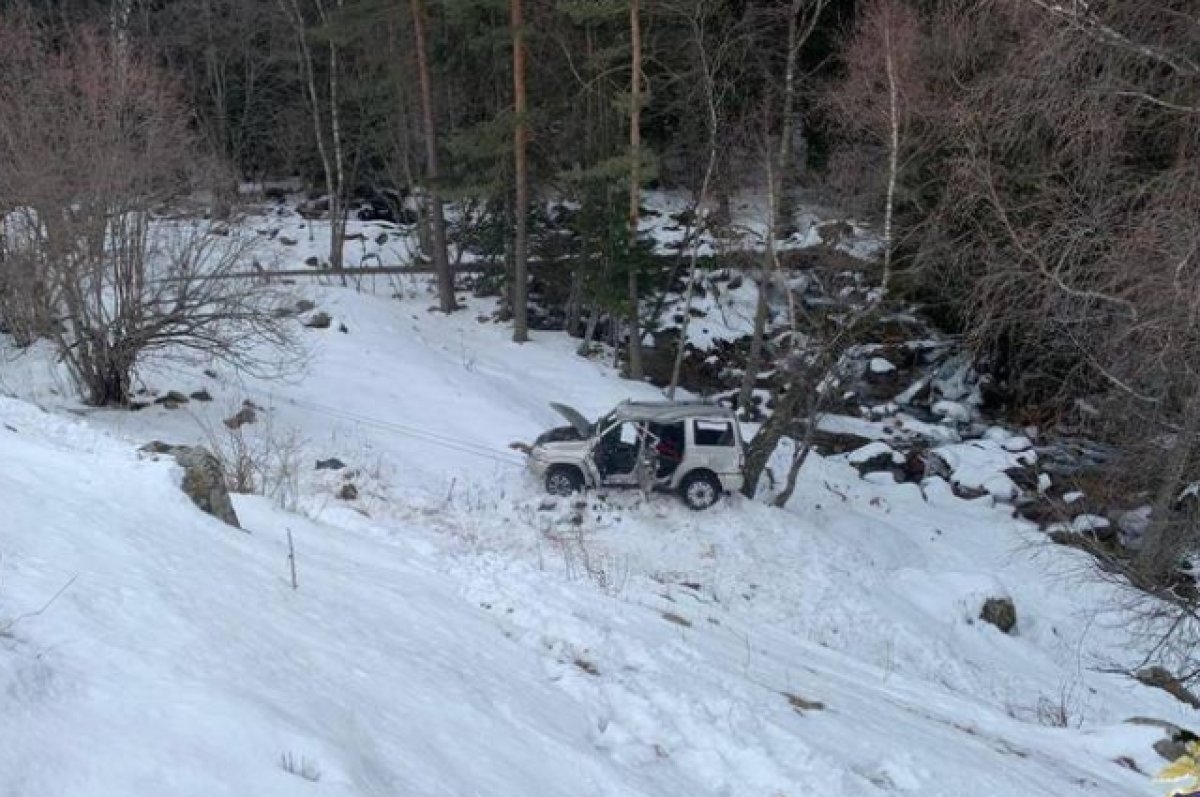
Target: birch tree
324	108
879	103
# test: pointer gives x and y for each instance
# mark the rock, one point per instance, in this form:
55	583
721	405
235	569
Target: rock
968	493
1161	678
1170	749
1025	477
915	468
880	366
283	239
1174	744
172	400
333	463
312	261
210	373
348	492
201	395
243	416
381	239
320	320
1000	612
873	458
203	479
304	306
828	443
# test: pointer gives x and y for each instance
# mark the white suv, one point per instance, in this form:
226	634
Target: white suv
692	447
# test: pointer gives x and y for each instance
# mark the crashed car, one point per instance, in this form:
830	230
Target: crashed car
692	448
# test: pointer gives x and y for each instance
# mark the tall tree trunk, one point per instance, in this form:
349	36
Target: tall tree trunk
337	197
437	215
893	160
635	185
295	15
800	28
759	450
520	300
713	123
574	308
761	309
787	123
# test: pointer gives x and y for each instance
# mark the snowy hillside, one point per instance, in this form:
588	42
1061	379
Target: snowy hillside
451	635
456	634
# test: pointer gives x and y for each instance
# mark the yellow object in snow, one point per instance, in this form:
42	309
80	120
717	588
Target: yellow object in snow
1186	767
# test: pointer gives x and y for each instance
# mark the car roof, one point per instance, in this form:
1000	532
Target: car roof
669	411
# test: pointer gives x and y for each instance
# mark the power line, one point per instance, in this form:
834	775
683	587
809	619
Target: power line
433	438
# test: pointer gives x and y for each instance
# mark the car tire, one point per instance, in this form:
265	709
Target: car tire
563	480
700	490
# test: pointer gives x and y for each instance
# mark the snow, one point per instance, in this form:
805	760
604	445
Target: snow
872	450
980	464
1082	524
452	636
879	365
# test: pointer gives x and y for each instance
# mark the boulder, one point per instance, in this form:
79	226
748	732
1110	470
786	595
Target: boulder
1000	612
333	463
172	400
320	320
874	458
203	479
245	415
201	395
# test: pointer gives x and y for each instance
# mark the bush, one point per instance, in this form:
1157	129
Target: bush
93	142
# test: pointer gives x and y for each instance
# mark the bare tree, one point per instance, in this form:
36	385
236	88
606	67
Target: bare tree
328	136
1062	223
802	19
879	102
717	60
87	152
766	277
810	367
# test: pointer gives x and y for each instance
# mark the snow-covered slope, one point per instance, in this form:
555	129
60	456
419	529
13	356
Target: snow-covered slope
451	635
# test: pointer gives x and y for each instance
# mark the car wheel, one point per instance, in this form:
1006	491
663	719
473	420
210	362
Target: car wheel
563	480
700	490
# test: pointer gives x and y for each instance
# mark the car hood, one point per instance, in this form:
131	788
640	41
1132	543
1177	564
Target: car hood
573	416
